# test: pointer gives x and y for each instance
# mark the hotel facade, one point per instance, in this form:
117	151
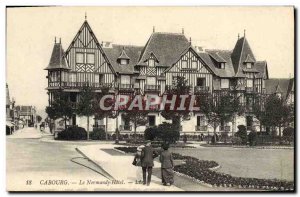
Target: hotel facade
152	69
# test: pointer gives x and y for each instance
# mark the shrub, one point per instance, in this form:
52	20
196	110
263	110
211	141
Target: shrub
150	133
98	134
288	134
73	133
167	133
242	133
252	138
237	140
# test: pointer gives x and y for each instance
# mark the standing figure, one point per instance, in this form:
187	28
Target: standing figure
138	162
148	154
167	165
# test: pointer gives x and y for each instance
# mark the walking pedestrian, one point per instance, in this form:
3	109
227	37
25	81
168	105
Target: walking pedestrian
147	155
138	163
167	165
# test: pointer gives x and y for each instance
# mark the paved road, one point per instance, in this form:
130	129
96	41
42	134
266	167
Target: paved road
38	161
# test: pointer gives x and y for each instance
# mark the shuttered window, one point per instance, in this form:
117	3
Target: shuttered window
184	64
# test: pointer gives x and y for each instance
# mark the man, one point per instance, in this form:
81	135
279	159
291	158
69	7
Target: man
147	155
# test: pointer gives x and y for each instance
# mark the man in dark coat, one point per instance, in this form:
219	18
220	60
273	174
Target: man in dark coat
147	155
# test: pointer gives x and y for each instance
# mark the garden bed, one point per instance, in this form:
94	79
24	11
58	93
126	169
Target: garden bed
203	171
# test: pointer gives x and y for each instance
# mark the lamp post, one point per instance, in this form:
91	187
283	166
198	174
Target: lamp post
13	108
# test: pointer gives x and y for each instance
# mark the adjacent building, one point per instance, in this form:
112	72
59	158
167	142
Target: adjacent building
153	69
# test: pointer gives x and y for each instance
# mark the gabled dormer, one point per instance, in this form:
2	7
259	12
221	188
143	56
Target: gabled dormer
123	59
249	62
220	62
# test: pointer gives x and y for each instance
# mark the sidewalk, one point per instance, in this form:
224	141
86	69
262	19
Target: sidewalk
27	133
119	166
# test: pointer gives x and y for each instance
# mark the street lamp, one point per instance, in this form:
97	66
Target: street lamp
13	108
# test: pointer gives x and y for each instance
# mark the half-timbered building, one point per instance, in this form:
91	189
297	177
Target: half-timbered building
153	69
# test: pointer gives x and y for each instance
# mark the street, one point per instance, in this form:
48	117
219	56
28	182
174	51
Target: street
31	162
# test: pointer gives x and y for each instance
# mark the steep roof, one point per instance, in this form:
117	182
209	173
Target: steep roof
57	60
262	68
166	47
225	55
277	86
123	55
241	54
133	53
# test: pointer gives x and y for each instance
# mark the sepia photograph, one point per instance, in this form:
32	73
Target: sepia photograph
150	99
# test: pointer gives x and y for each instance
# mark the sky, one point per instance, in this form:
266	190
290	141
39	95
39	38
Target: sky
31	32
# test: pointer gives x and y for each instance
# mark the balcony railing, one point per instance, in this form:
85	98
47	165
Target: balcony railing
154	88
126	87
201	89
201	128
76	85
125	127
225	128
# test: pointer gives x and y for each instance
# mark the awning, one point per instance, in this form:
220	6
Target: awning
9	124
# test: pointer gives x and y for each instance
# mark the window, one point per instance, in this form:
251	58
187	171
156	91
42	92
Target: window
90	58
151	120
249	120
79	58
249	65
73	96
201	82
249	83
151	62
194	64
222	66
224	83
200	121
125	79
184	64
151	80
123	62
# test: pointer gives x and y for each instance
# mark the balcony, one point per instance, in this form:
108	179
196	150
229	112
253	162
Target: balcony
201	89
126	87
201	128
172	88
152	88
78	85
225	128
251	89
125	127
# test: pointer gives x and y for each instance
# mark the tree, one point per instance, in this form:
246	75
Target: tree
242	134
218	108
177	116
38	118
61	107
138	118
101	113
275	112
85	106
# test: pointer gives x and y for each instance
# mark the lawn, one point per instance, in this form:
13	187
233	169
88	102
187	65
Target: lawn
246	162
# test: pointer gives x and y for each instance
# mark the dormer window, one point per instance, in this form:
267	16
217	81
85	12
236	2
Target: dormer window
123	62
249	65
222	65
151	62
123	59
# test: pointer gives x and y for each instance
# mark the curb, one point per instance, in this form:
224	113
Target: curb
107	175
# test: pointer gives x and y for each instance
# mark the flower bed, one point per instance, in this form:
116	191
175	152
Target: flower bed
202	171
